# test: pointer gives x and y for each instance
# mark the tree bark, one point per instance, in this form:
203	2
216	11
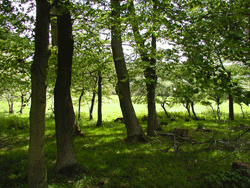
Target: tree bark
22	103
231	107
92	105
37	174
230	98
134	130
149	72
99	112
64	113
187	106
192	107
79	104
163	106
11	105
55	38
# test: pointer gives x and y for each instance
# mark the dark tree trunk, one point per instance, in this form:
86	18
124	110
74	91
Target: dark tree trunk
22	103
192	107
230	99
79	104
64	113
231	107
92	105
134	130
187	106
55	38
163	106
99	113
37	175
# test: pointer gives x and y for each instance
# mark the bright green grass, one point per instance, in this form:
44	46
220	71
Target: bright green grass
107	161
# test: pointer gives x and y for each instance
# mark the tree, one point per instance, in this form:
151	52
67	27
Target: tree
150	64
37	175
54	28
64	113
134	130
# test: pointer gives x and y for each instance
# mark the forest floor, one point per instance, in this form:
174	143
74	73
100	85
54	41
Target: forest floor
201	157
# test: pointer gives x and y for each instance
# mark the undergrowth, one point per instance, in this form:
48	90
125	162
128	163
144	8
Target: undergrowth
203	159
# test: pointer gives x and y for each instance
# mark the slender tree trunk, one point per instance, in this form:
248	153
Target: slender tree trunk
92	105
64	113
231	107
218	111
149	72
134	130
230	99
99	112
192	107
37	174
22	103
213	111
241	108
79	104
163	106
187	106
11	105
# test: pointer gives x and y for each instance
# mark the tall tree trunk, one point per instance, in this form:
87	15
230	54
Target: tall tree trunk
55	38
79	104
37	174
149	72
92	105
99	113
231	107
64	113
134	130
230	98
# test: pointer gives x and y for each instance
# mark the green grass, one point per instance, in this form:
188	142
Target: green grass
106	160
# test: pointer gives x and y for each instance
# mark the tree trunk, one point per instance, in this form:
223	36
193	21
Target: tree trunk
192	107
92	105
99	121
241	108
163	106
134	130
213	111
218	111
230	99
231	107
64	113
55	38
79	104
11	105
149	72
22	102
37	175
187	106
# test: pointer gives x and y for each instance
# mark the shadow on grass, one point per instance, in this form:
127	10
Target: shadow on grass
106	160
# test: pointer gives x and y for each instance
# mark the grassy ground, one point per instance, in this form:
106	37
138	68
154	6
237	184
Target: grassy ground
202	160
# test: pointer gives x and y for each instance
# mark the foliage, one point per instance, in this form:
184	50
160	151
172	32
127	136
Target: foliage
228	179
106	160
